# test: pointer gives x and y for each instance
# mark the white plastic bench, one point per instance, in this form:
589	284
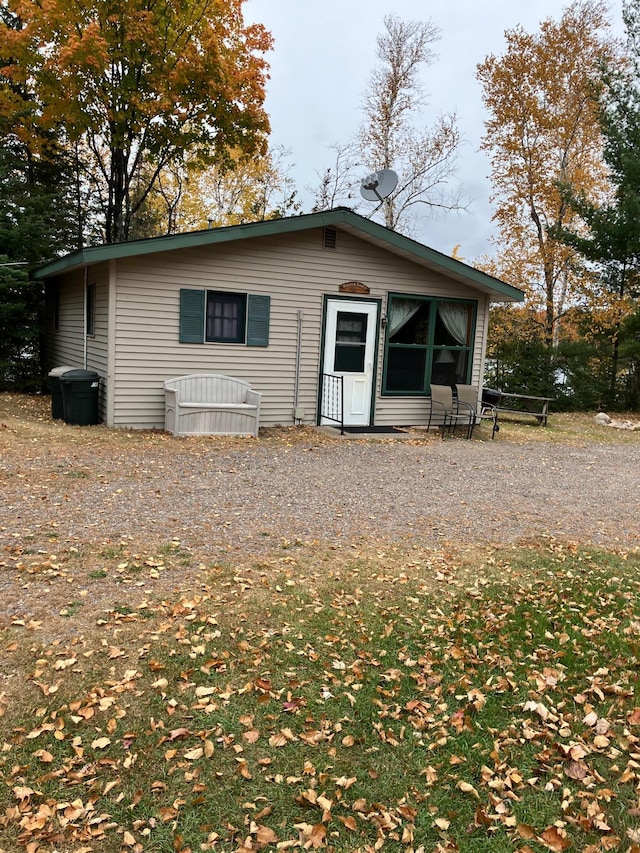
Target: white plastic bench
210	404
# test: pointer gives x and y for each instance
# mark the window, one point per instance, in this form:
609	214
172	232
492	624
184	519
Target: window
53	306
90	308
351	339
225	317
428	340
218	316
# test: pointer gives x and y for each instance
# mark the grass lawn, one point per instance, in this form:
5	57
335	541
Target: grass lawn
402	704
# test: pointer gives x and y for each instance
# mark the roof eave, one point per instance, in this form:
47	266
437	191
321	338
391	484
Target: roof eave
341	216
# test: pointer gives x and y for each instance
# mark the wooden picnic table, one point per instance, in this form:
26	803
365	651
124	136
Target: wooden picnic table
525	404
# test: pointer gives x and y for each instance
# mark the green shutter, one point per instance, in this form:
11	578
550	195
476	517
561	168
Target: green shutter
191	316
258	309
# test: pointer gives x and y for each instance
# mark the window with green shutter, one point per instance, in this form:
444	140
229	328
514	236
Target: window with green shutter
216	316
226	317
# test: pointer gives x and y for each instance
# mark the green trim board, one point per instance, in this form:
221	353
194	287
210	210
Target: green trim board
337	217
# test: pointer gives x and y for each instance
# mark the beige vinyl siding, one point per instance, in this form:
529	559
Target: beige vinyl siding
65	344
97	343
296	272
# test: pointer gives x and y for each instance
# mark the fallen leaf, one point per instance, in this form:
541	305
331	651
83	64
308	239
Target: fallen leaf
318	835
525	831
44	755
265	835
251	736
178	733
22	792
575	770
555	840
194	754
467	788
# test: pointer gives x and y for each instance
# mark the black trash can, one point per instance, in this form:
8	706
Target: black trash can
57	409
80	397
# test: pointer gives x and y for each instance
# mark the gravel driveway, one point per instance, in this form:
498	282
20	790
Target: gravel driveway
78	504
218	498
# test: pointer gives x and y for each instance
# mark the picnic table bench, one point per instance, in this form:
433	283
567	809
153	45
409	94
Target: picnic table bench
524	404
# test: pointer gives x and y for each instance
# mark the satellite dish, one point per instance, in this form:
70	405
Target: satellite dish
378	185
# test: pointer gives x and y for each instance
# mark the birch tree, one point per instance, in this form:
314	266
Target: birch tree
394	134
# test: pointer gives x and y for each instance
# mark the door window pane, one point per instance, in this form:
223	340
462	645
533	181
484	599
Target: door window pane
351	338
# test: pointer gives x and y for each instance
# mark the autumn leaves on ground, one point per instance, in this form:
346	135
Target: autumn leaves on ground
340	699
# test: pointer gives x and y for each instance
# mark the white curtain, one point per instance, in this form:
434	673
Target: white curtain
402	310
456	319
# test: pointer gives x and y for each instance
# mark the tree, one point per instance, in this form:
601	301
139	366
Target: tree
390	138
36	220
195	195
393	135
608	236
254	189
339	182
20	328
543	131
135	85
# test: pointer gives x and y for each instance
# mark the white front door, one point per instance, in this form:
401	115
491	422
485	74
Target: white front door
351	327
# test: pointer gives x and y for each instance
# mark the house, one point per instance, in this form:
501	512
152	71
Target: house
277	303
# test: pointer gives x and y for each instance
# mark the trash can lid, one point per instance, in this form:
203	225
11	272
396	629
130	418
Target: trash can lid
79	375
58	371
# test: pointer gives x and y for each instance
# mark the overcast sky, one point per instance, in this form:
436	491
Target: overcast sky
324	53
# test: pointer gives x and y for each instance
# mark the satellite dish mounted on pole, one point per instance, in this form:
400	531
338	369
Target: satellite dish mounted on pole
378	185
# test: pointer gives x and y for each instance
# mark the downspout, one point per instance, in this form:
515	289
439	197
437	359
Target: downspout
84	318
110	390
298	411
